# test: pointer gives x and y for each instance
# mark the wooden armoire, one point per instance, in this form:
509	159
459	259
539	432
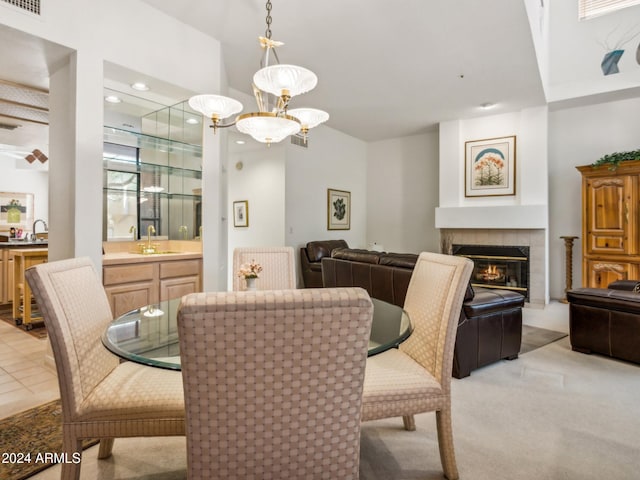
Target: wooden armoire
610	223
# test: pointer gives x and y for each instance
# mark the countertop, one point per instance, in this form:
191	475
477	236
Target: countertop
120	258
24	243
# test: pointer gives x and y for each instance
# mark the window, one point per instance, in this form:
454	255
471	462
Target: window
593	8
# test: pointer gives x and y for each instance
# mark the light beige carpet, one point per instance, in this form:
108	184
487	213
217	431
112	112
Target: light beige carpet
552	414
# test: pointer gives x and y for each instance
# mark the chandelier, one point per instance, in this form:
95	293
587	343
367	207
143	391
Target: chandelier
273	87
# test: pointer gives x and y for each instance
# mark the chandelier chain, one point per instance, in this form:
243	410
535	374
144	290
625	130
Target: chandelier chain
267	32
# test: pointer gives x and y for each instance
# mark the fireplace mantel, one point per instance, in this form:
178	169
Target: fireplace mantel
490	216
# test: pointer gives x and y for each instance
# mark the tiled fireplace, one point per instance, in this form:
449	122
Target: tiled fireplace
498	266
506	272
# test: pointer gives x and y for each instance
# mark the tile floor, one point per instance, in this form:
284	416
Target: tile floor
25	380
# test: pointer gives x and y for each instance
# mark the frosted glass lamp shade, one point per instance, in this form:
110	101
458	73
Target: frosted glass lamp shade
309	117
291	79
267	127
215	106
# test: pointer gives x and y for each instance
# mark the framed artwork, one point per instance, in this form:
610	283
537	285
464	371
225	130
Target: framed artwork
16	210
241	213
490	167
338	210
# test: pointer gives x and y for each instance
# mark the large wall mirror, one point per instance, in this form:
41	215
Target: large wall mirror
152	159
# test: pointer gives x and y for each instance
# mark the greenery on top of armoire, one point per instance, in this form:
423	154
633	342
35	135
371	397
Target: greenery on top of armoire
614	159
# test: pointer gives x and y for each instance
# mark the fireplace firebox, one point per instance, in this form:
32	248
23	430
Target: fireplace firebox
497	266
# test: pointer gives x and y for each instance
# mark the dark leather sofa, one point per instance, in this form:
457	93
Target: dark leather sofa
311	260
490	325
606	320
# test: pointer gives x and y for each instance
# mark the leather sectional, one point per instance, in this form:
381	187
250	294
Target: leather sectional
311	260
490	325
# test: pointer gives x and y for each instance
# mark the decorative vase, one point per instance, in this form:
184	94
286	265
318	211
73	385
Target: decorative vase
609	63
251	283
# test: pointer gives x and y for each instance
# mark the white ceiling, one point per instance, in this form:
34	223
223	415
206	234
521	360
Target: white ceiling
385	69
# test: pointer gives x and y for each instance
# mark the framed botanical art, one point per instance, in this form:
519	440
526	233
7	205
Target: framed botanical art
490	167
241	213
16	211
338	210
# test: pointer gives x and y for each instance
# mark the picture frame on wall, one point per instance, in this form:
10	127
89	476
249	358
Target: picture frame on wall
490	167
241	213
338	210
16	211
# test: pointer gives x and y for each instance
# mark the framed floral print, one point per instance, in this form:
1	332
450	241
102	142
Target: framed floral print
490	167
338	210
241	213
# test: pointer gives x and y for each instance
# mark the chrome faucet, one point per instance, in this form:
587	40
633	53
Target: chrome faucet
33	228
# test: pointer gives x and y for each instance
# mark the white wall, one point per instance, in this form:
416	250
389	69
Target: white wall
402	189
580	136
260	181
21	177
333	160
570	51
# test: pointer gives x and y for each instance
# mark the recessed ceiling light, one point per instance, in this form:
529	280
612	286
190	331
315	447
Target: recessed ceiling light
112	99
240	142
192	121
142	87
487	105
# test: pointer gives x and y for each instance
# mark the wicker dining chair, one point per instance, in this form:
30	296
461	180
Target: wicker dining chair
278	267
273	382
101	397
416	377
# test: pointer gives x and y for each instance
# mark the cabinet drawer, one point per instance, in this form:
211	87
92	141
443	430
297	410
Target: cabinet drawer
179	268
113	275
600	273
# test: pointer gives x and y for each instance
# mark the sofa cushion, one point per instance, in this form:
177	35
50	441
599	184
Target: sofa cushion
608	299
323	248
487	301
629	285
356	255
403	260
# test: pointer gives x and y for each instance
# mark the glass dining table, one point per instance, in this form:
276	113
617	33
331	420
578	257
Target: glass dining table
149	335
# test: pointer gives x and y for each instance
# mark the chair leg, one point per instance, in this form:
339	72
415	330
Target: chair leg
72	447
106	446
409	422
445	443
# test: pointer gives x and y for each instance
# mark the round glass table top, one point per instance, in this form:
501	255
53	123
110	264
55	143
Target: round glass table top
149	335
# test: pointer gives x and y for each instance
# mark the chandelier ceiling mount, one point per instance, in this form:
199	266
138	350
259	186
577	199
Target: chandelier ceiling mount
274	85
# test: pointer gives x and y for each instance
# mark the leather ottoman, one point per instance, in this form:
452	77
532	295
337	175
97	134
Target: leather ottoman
606	321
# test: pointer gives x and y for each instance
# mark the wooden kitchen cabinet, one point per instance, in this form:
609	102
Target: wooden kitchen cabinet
610	223
133	281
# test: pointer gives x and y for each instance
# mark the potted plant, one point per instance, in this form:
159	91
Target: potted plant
614	159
